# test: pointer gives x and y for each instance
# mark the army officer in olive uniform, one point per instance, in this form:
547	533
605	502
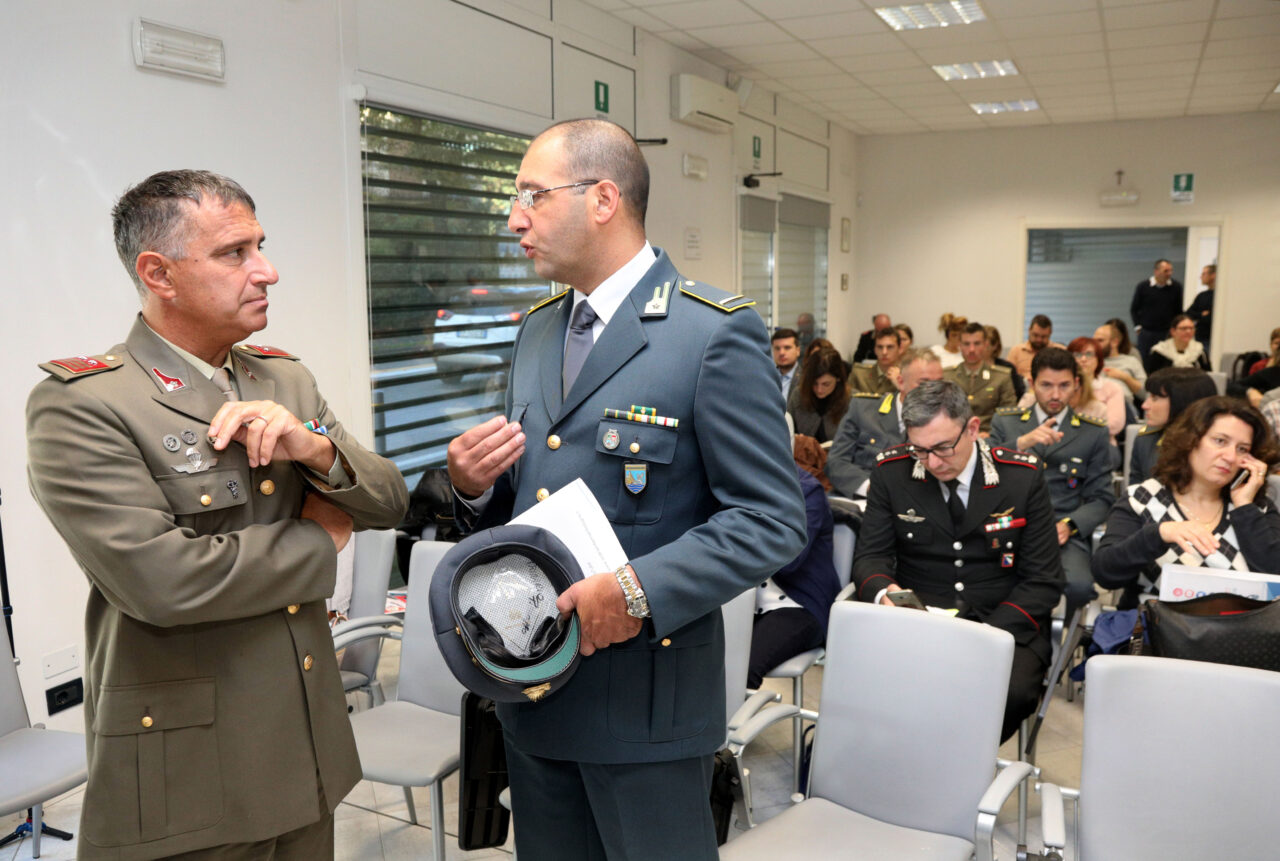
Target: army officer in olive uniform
964	525
988	386
659	393
880	377
209	530
873	423
1076	453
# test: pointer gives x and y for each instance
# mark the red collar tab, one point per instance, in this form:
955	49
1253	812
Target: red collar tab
171	384
264	350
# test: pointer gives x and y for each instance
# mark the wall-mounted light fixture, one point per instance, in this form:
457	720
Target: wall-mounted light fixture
182	52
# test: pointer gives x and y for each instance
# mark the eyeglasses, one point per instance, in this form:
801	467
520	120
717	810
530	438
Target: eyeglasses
526	197
1086	354
945	450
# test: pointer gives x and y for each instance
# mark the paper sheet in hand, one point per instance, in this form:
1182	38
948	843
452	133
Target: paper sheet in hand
573	515
1180	583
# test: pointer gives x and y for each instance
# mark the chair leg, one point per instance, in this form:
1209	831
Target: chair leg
437	819
375	693
797	733
408	802
37	823
744	787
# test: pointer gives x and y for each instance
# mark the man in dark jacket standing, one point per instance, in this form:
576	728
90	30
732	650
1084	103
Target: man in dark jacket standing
1156	301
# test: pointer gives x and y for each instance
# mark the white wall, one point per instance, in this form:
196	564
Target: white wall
942	220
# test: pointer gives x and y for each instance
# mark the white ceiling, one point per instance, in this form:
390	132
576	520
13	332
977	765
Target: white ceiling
1082	60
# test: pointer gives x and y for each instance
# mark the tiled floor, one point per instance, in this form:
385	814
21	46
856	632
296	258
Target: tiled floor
373	823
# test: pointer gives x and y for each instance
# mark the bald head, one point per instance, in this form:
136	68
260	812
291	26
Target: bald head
600	150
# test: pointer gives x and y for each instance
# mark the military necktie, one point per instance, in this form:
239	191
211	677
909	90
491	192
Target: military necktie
222	380
578	344
954	505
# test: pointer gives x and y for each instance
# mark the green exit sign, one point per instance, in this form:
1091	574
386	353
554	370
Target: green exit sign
602	97
756	146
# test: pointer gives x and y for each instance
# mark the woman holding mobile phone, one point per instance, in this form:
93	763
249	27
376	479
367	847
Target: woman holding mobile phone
1205	506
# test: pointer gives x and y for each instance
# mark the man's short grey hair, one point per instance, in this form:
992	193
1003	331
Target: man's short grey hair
152	216
914	355
926	401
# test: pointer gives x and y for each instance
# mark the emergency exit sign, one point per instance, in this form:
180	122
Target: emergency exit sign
1183	190
602	97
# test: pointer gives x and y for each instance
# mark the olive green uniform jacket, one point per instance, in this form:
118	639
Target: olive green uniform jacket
989	389
213	703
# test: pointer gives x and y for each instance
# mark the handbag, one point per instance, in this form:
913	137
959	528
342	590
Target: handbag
1220	628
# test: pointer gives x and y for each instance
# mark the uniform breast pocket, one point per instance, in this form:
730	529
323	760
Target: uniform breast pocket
155	767
1004	540
203	492
917	533
637	460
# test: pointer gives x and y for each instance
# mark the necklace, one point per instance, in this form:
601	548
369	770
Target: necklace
1195	512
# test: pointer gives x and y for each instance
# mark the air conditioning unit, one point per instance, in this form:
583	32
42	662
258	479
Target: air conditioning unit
702	103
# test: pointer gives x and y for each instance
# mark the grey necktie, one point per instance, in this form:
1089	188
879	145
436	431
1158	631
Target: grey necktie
222	380
578	344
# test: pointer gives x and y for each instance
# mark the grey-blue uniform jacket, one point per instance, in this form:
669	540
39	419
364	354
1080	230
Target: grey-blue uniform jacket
869	426
1146	451
704	509
1077	468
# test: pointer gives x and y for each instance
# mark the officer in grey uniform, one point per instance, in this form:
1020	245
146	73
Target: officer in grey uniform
989	387
1076	455
873	423
659	393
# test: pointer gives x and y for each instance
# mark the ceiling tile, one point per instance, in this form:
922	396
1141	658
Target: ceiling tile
658	2
681	39
1239	47
720	58
1172	34
1153	89
1238	76
1242	28
967	53
1158	14
1091	116
1095	89
1152	70
931	89
779	53
934	37
1002	9
1049	45
857	23
1245	8
853	106
1272	103
1156	54
795	68
1254	91
736	35
609	5
1207	108
849	46
1073	103
704	13
919	75
641	19
1062	62
1051	25
1074	76
1016	118
918	102
877	62
1243	61
1139	112
821	82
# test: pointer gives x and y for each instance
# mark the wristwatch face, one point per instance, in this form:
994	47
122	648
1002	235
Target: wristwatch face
638	608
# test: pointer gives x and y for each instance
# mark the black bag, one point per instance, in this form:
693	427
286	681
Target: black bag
1240	367
1220	628
724	777
482	820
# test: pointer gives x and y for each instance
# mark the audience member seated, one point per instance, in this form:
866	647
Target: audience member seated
792	606
1120	364
786	358
873	423
866	349
818	402
1098	396
1188	513
988	387
1180	349
879	376
1272	360
966	526
905	336
1039	336
1169	393
1126	346
1076	455
952	328
995	355
1254	386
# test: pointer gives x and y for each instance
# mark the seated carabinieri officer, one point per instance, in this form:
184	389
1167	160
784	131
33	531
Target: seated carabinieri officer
873	423
967	526
1076	453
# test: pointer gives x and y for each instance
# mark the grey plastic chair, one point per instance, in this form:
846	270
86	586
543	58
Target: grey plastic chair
906	744
413	740
36	764
1180	761
374	551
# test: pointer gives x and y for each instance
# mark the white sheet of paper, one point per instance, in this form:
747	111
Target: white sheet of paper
573	515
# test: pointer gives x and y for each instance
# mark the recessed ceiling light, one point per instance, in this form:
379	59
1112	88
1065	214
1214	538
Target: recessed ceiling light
980	69
921	15
1005	107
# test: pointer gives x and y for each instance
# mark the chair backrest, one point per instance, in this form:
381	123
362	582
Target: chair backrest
1130	436
374	550
739	616
1227	363
842	541
912	705
1220	380
1180	760
425	678
13	708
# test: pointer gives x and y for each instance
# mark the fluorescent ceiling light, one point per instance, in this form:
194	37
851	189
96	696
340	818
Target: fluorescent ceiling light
1005	107
980	69
922	15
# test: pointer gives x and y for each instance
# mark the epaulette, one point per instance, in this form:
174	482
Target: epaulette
1093	420
81	366
897	452
1008	411
545	302
727	304
265	352
1147	430
865	395
1012	455
1001	369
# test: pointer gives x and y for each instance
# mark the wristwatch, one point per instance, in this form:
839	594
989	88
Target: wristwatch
637	603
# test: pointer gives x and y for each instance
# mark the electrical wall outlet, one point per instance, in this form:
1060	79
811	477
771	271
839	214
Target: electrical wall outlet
61	661
64	696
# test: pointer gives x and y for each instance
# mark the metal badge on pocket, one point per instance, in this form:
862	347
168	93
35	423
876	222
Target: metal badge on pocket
635	476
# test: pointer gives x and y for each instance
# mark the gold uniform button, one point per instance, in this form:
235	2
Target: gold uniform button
553	442
206	499
267	487
147	722
293	609
542	493
308	662
666	641
635	447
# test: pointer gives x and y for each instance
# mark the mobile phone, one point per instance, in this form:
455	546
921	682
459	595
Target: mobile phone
906	598
1241	477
